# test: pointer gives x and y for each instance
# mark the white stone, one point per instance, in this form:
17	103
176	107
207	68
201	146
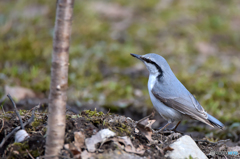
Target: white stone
106	133
185	147
21	135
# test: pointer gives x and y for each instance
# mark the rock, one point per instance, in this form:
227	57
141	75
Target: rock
185	147
19	93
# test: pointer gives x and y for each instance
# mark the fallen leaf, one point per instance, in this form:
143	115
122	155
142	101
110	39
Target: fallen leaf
144	126
75	151
79	138
128	146
75	147
136	130
101	136
159	149
85	155
16	152
167	149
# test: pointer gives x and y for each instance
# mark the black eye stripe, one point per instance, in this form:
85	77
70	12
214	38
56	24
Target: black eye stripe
158	67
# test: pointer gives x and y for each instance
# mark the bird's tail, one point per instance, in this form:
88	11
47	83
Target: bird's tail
215	122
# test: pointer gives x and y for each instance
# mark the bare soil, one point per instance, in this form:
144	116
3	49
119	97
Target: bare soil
89	123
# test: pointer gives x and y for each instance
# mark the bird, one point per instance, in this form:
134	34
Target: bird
170	97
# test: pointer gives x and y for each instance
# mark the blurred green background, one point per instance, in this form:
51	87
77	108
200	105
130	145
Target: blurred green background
199	39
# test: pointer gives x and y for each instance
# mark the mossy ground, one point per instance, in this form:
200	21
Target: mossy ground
89	123
199	39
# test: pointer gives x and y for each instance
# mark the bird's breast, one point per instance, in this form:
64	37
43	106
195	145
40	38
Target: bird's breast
165	111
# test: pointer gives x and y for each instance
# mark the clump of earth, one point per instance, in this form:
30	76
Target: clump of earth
125	137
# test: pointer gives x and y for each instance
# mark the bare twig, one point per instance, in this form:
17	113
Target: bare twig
160	150
214	143
209	142
3	109
2	124
9	135
16	111
17	128
1	102
69	151
30	154
149	116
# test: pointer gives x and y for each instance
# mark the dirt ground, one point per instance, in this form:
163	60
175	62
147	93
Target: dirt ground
130	140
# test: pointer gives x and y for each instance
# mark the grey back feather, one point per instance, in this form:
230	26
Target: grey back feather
169	90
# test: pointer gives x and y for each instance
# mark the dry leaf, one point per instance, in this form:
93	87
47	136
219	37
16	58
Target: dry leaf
167	149
76	146
85	155
159	149
136	130
79	138
101	136
144	126
75	151
128	146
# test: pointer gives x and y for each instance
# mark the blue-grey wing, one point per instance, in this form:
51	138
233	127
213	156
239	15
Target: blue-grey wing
181	100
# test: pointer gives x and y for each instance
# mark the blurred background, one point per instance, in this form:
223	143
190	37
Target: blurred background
199	39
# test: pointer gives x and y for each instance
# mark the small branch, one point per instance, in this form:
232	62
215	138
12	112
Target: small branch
2	125
30	154
17	128
16	111
149	116
214	143
2	102
3	109
209	142
69	151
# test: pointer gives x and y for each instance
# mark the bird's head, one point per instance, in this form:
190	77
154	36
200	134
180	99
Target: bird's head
155	63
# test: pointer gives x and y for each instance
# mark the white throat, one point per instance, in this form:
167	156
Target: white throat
151	81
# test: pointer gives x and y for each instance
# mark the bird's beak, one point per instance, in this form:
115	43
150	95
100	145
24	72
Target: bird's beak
138	57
